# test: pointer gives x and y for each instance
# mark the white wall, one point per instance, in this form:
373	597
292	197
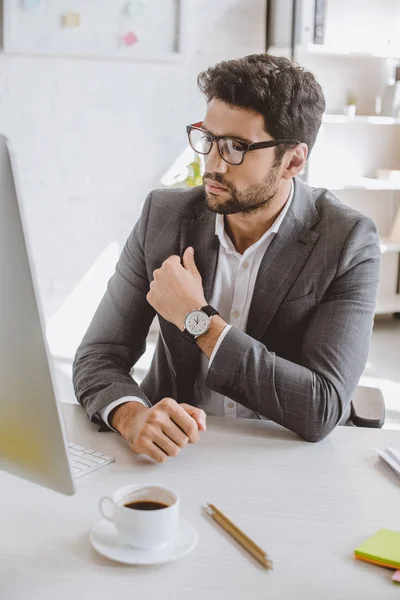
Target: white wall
91	139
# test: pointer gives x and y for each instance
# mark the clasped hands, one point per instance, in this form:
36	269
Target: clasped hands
164	429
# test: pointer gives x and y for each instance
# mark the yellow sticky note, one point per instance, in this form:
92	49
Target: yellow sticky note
383	548
71	19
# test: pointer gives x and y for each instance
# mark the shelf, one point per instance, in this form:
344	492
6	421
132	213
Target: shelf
362	183
388	305
349	52
370	119
389	246
326	50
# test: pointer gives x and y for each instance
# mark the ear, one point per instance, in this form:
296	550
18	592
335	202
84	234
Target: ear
294	161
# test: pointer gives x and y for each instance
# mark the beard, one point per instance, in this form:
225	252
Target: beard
250	201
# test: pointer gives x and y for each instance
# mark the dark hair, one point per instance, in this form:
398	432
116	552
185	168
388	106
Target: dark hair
284	93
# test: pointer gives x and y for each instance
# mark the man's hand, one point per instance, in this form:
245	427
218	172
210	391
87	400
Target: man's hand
177	288
160	431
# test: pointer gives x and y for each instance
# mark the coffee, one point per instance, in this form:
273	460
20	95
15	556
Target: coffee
147	526
146	505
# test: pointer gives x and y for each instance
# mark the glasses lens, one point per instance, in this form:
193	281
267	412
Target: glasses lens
231	151
200	141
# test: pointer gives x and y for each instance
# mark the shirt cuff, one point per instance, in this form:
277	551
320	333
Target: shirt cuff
219	342
104	412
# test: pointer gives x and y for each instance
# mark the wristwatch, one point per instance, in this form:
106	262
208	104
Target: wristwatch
197	322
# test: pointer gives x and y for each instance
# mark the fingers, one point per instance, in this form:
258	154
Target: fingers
145	444
165	444
159	446
172	261
178	415
197	414
189	262
189	418
154	452
175	433
186	423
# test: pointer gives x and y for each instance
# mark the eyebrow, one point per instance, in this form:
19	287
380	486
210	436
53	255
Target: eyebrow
231	135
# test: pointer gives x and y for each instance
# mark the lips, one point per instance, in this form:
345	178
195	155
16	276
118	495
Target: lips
212	184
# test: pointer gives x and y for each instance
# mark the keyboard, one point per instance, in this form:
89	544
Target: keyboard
85	460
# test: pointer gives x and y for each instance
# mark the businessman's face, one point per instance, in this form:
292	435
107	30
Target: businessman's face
247	187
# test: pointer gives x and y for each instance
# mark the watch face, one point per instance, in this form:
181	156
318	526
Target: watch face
197	322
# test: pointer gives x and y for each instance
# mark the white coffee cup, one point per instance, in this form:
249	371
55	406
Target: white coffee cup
145	529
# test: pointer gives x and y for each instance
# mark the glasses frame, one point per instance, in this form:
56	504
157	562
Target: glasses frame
245	146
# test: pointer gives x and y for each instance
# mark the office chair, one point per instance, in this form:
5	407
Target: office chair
368	407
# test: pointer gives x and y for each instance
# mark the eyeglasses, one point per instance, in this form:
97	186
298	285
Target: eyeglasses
230	150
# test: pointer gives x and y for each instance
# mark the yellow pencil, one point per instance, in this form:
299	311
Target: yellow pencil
239	536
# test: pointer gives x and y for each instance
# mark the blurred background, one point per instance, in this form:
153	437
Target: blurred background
95	96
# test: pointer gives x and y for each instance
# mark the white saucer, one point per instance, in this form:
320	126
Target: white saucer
104	539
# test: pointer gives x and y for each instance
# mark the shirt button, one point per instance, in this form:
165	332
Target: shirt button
236	314
245	264
231	405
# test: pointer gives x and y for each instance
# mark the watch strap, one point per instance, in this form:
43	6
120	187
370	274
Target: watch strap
189	336
209	310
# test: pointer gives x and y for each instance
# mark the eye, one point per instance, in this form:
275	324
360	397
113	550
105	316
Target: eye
236	145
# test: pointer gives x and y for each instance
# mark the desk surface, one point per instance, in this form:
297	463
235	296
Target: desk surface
308	505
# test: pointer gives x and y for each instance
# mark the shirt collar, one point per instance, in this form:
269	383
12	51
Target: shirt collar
226	241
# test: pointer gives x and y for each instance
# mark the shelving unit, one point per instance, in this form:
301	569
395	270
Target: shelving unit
361	47
388	305
383	53
370	119
362	183
388	245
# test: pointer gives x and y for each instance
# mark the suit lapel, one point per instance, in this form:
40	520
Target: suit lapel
199	232
283	260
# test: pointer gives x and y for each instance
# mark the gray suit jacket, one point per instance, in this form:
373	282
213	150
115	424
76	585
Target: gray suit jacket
309	324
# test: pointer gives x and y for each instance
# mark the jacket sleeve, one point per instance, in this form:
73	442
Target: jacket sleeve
116	337
310	398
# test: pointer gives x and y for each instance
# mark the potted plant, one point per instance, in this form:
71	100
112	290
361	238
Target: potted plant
350	106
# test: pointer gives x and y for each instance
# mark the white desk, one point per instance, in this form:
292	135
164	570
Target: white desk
308	505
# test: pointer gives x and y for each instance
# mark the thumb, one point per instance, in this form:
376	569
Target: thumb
188	261
197	414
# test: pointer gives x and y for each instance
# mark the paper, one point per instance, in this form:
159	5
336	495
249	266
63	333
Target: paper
71	19
129	38
392	456
29	4
383	548
135	8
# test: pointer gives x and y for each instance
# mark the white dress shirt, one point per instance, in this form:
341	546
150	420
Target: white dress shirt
231	296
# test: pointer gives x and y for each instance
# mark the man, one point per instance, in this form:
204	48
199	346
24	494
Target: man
264	287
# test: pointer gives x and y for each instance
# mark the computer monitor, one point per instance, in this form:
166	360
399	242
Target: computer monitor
32	437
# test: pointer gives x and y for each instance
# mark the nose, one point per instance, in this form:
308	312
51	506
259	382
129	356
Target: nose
213	161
